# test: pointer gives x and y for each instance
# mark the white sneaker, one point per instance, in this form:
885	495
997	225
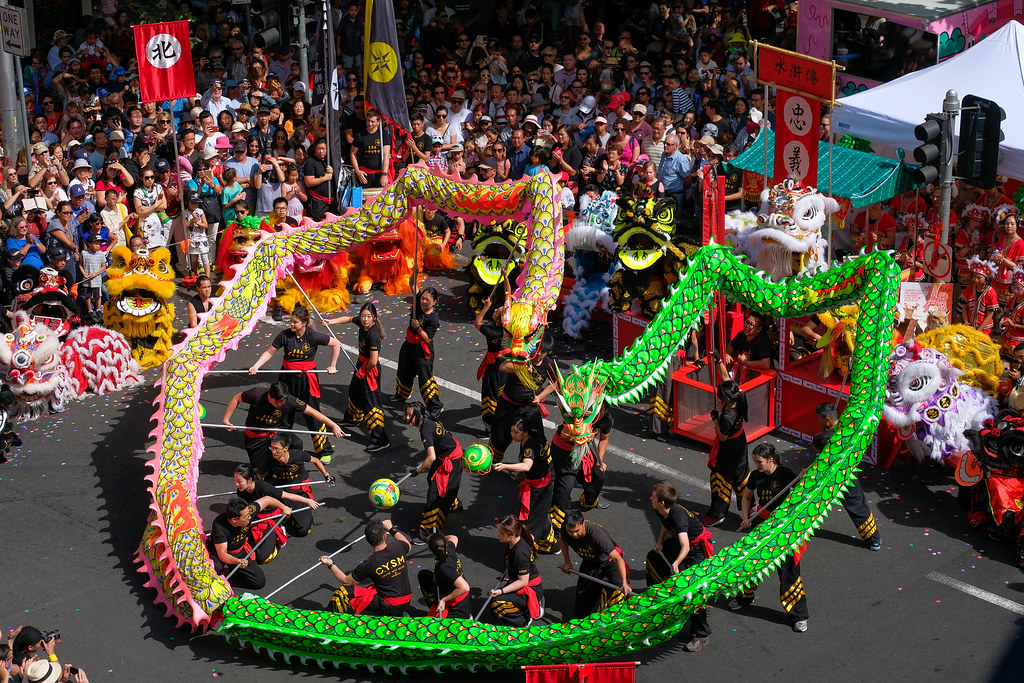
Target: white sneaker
800	626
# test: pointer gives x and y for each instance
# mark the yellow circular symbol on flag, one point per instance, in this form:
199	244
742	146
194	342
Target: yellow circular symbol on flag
383	62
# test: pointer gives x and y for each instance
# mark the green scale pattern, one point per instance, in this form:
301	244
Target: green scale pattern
411	644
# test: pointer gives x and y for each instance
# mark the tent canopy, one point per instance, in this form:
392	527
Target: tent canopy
861	177
992	69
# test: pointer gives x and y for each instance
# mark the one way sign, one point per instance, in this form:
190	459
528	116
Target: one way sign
12	28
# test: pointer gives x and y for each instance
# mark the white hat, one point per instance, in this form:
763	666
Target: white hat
81	163
531	119
588	104
640	109
43	672
437	140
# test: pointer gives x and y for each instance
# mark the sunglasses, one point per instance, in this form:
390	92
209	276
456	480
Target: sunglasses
148	177
440	116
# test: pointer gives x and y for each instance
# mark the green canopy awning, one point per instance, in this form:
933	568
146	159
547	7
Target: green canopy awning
861	177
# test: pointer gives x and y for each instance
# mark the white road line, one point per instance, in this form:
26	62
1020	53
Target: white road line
976	592
632	457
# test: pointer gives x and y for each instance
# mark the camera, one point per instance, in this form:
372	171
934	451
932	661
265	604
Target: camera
51	635
73	670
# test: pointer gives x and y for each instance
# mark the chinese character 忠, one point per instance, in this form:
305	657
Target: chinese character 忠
796	121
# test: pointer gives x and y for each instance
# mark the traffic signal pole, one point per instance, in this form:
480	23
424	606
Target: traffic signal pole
951	107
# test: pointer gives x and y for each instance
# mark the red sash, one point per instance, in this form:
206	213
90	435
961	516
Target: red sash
316	195
301	487
369	375
414	338
433	608
259	527
532	603
543	408
490	358
362	596
259	435
560	441
713	455
704	540
444	470
589	463
314	383
524	493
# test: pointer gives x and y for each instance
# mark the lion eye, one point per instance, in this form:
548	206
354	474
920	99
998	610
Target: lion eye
918	383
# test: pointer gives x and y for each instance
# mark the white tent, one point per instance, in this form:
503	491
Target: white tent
992	69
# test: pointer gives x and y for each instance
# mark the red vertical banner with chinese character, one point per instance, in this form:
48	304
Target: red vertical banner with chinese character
796	138
164	53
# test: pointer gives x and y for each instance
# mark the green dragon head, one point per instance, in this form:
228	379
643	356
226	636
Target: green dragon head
580	398
643	230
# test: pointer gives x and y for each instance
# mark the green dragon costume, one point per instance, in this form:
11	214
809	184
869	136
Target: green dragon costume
173	556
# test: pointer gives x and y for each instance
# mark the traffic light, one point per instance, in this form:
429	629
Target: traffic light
934	152
980	135
272	24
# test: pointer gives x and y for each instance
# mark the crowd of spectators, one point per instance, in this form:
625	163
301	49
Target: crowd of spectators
495	91
30	656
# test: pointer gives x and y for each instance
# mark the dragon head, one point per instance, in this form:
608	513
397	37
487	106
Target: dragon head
30	362
580	398
238	237
643	230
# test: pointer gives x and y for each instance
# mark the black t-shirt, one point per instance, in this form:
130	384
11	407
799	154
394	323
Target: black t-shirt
517	393
260	490
758	348
768	485
521	560
730	422
681	521
263	414
300	348
224	532
429	323
436	226
424	143
387	570
369	340
536	449
369	146
594	546
293	470
448	572
315	168
435	435
199	306
603	425
493	333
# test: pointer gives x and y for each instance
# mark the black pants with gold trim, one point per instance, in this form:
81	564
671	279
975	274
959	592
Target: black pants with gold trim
593	597
791	588
856	504
539	519
730	474
364	404
656	570
413	365
298	386
341	603
490	390
563	479
437	508
428	587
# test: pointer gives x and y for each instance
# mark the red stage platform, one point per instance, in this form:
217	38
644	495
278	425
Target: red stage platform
693	398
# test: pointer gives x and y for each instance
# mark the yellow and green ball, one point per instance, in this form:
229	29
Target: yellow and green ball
384	494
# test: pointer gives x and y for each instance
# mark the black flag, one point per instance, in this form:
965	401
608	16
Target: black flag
382	69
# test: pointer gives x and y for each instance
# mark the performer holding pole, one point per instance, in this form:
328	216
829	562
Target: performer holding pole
535	488
270	408
416	357
232	542
682	542
389	591
443	456
601	560
445	589
364	390
491	378
589	472
728	458
287	465
300	342
770	478
521	600
258	492
516	396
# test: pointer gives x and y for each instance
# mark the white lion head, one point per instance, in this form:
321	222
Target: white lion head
789	225
30	363
916	376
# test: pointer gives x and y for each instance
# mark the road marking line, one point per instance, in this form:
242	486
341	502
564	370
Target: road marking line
632	457
979	593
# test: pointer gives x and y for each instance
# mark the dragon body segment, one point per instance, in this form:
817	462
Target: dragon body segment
180	570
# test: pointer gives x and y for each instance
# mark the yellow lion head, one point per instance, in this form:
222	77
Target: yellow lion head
141	285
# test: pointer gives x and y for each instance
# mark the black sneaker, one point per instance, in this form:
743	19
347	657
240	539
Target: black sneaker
435	413
374	447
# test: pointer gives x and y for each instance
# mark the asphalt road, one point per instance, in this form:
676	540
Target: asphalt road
74	504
